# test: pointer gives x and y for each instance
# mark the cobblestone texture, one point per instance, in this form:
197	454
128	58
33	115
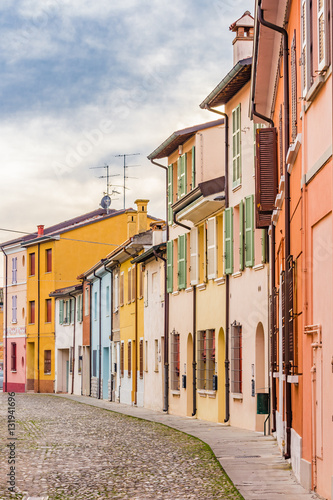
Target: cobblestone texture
68	450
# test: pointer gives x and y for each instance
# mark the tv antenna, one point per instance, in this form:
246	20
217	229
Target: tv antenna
106	200
126	176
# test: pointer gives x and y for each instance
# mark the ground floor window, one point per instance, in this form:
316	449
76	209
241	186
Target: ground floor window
47	362
13	357
236	358
175	361
206	359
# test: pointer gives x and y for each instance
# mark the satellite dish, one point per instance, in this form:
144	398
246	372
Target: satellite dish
105	201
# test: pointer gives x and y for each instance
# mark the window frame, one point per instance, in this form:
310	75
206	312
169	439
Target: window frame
47	361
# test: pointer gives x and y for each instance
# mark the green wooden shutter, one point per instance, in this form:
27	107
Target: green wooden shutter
241	236
170	194
182	261
263	246
228	240
61	312
170	266
193	167
249	231
182	175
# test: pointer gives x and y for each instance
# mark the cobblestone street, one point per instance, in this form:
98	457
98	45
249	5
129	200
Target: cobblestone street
67	450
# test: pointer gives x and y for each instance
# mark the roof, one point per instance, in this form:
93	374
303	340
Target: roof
149	253
230	85
60	292
180	137
68	225
245	20
204	189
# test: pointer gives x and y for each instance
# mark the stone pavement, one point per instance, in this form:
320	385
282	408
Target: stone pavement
252	461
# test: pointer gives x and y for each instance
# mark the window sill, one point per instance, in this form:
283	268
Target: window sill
276	375
190	289
155	371
14	322
292	379
236	187
258	267
237	275
237	396
175	393
13	371
175	293
203	393
219	281
48	373
201	286
48	272
48	322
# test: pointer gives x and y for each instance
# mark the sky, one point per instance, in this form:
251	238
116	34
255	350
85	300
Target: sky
83	81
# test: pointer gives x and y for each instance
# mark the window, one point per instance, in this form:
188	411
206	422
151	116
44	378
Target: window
86	301
79	309
94	364
236	358
146	284
122	292
47	362
116	293
48	310
32	312
129	285
182	177
133	283
61	312
170	266
249	231
182	261
48	260
266	186
212	248
175	361
228	241
107	298
170	195
156	354
322	63
13	357
129	358
72	310
236	146
32	264
14	270
95	306
14	308
141	280
71	360
122	356
206	359
66	312
194	255
293	74
79	366
141	358
241	235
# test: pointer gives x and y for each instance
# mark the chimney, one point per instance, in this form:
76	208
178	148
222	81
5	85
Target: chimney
243	41
159	231
40	230
141	206
131	223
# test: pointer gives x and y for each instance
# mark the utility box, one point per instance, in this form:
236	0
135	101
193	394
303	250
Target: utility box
262	403
214	382
184	381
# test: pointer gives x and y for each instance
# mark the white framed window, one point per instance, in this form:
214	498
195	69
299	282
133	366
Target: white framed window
194	256
14	308
206	359
212	248
14	270
116	293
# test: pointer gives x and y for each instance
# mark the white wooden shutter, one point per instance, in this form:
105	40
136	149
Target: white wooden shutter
116	292
146	288
304	48
212	248
194	256
322	59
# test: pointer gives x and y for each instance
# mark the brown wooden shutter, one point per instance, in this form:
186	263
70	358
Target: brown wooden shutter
32	264
290	298
122	359
266	174
48	260
13	357
293	88
129	285
129	355
283	300
273	330
134	270
280	141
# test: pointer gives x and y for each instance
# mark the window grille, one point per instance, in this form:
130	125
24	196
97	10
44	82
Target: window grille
47	362
236	358
13	357
206	359
175	361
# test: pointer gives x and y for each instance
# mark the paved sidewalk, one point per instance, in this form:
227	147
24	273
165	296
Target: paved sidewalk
252	461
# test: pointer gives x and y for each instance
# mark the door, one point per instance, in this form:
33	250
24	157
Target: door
67	375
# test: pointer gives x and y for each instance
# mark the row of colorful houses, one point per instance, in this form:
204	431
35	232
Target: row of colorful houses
224	311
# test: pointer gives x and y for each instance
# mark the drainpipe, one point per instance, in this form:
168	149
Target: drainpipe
227	283
284	34
166	313
166	337
99	336
194	351
259	115
6	322
73	364
38	319
135	372
111	326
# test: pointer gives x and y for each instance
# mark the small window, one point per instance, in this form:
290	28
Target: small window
141	280
129	285
116	293
13	356
71	360
79	308
32	312
72	310
47	362
121	294
236	146
32	264
48	311
146	355
95	306
48	260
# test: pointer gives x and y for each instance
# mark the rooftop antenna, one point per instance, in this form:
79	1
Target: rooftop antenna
106	200
126	176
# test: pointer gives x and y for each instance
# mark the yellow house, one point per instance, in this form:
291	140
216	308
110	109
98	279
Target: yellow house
55	257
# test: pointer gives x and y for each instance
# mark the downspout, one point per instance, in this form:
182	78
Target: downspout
6	322
111	326
135	372
166	329
73	364
273	319
99	336
227	283
38	319
284	33
194	351
166	313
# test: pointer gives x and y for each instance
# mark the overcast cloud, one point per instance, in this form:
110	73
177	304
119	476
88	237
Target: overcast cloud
82	81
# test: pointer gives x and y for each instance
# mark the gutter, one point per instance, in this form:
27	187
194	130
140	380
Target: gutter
227	282
99	335
111	316
284	34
